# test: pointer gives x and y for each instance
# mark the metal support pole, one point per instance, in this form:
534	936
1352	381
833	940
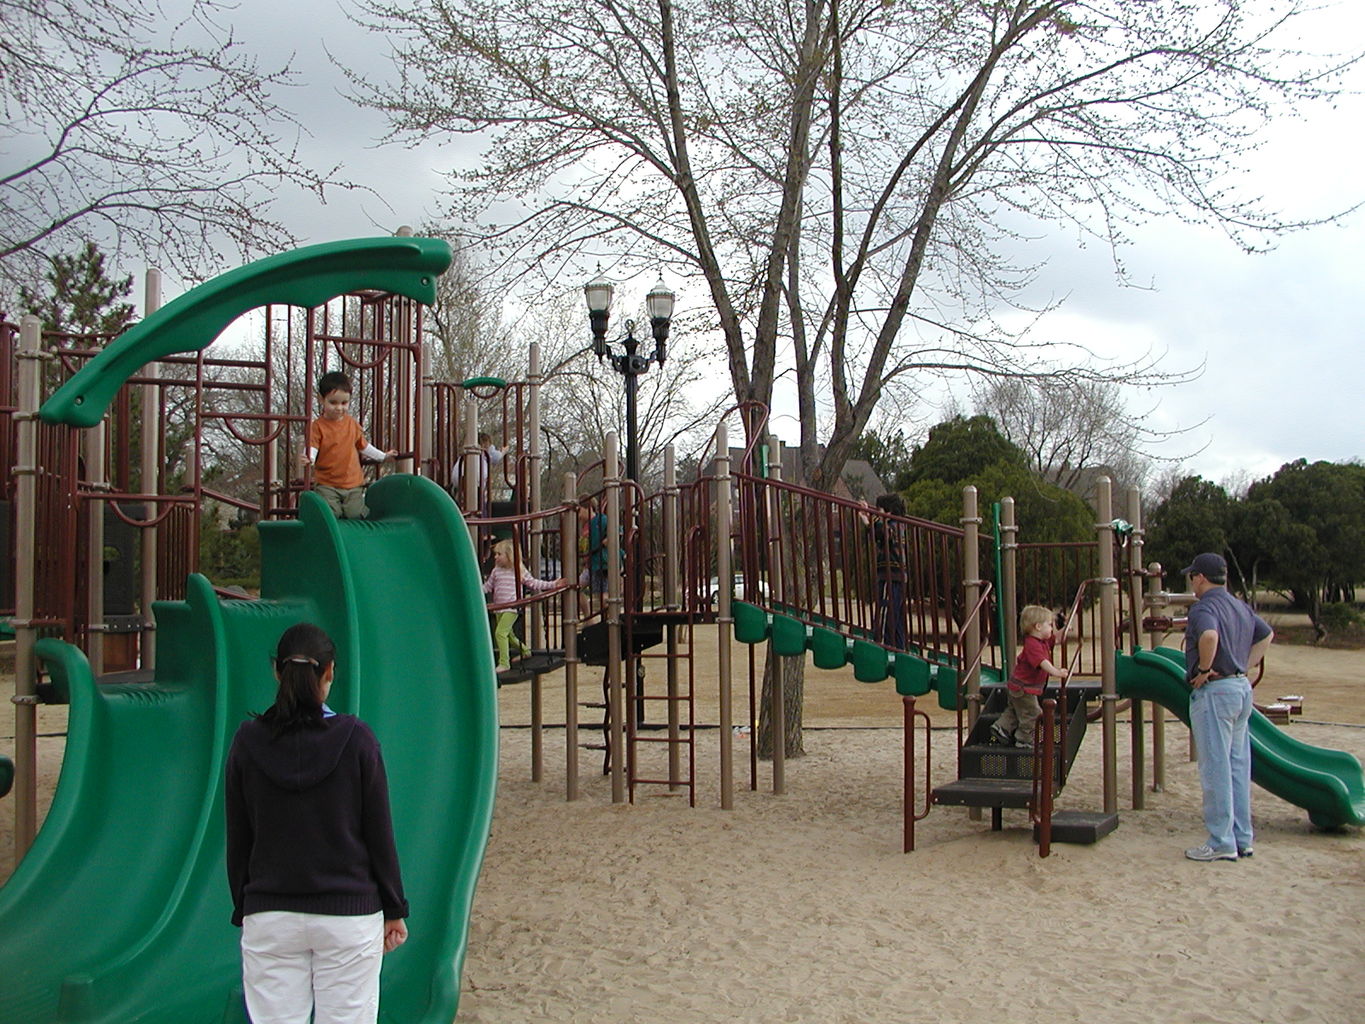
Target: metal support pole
1104	531
568	558
615	687
971	586
1137	723
1009	581
97	481
672	599
777	709
25	599
971	583
1158	714
725	619
151	477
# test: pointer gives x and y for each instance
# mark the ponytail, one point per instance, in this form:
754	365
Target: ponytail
303	656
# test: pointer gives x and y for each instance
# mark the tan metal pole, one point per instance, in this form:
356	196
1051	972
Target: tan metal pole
535	624
1108	691
971	586
1009	583
25	698
671	599
151	474
724	617
1137	720
777	710
97	480
568	558
1158	714
615	653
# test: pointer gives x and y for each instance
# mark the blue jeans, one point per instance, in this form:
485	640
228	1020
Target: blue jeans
1220	711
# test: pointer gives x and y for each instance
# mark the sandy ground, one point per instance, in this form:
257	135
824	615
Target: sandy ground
801	907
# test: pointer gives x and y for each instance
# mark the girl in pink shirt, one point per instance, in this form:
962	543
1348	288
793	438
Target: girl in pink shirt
503	582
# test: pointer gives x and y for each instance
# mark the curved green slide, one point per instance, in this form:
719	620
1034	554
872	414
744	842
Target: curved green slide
120	911
302	277
1328	784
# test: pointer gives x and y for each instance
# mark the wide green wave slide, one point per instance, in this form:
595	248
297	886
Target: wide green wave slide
120	910
1328	784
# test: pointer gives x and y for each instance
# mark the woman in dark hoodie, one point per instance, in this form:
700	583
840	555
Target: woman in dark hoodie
311	859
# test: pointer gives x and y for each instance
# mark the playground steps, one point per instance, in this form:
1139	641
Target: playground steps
537	663
1080	827
998	777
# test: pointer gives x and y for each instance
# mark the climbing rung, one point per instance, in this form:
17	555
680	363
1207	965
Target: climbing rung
660	739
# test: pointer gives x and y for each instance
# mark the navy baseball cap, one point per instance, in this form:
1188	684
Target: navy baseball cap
1210	565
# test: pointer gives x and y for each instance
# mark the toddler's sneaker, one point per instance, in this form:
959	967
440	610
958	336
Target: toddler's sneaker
1245	851
1207	853
999	739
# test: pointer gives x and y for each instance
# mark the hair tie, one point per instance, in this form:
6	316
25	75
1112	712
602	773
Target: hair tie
301	659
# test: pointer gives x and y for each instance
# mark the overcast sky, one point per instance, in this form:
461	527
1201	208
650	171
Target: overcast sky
1279	334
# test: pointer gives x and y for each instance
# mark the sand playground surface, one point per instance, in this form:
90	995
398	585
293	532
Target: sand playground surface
801	907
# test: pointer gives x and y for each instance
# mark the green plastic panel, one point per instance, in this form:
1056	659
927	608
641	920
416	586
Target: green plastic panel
751	622
911	674
303	277
828	649
115	916
945	682
871	663
790	636
1328	784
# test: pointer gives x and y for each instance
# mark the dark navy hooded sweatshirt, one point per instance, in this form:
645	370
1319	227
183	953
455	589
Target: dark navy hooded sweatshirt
308	822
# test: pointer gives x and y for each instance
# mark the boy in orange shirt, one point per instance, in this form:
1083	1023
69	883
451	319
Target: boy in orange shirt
335	444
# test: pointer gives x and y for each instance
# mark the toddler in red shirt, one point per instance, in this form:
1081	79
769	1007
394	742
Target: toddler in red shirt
335	445
1031	671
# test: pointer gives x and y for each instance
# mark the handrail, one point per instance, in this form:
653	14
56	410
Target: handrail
908	811
1045	783
965	670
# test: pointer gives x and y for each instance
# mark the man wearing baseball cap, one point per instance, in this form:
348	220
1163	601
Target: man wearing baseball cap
1224	640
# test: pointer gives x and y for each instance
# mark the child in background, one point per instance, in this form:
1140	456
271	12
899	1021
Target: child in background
1031	671
502	583
311	861
335	444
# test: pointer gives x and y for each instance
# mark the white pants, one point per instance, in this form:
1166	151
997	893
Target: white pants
292	963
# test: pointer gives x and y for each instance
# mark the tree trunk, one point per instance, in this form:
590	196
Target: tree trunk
793	698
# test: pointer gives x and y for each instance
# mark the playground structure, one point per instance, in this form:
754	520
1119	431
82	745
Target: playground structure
765	560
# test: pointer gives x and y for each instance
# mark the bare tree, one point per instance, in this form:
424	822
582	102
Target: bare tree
1072	429
153	139
845	176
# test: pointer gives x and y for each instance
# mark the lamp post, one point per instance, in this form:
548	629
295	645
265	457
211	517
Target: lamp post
627	360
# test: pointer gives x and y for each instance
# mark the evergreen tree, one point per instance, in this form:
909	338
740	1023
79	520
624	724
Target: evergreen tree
83	298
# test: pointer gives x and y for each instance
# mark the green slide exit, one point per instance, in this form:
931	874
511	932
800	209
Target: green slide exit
1328	784
120	910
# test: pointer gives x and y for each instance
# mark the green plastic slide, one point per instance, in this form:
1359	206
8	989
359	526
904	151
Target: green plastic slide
302	277
1328	784
120	911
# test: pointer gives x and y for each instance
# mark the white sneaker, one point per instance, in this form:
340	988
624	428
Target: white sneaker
1207	852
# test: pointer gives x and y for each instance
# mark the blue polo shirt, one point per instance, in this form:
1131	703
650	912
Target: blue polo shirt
1238	627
